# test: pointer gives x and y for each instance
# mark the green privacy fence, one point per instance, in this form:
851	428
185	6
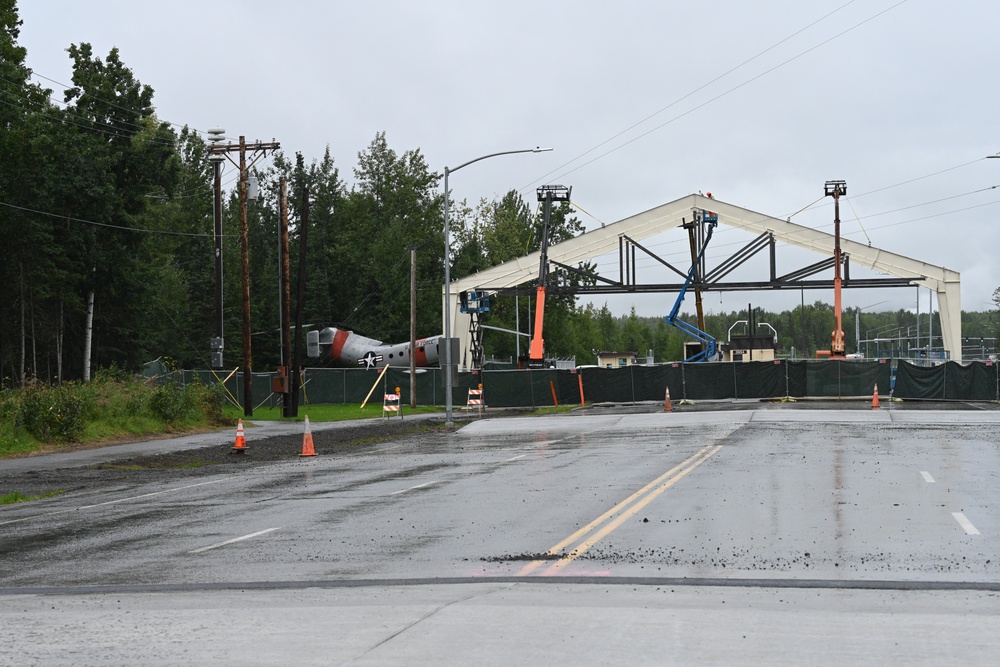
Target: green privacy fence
976	381
734	381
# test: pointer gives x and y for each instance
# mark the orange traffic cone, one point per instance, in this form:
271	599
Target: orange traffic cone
307	441
241	442
667	407
875	399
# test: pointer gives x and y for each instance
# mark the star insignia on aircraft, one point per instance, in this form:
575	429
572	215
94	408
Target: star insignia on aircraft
369	360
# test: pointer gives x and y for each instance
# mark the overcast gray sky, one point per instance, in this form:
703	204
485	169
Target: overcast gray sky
644	102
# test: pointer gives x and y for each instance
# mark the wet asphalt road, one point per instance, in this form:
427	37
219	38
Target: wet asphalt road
852	520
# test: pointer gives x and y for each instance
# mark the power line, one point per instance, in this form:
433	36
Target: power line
87	124
937	215
896	185
696	90
67	108
713	99
928	203
197	190
103	224
108	102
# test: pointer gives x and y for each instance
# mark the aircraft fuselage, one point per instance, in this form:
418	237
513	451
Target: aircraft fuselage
347	348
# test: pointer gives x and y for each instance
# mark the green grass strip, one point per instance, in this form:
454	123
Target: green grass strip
15	497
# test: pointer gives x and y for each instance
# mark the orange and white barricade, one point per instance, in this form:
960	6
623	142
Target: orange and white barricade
475	401
391	405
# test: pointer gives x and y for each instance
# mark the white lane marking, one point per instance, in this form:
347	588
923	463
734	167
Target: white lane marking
927	477
965	523
110	502
514	458
235	539
418	486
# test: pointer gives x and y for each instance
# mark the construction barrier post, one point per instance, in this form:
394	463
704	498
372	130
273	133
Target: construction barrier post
555	399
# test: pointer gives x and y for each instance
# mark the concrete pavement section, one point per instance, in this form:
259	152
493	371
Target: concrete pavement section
504	624
750	534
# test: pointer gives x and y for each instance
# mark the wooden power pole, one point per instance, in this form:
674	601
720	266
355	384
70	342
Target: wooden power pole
413	327
300	299
286	309
258	150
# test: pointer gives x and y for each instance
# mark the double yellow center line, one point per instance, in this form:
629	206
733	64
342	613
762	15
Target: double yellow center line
600	527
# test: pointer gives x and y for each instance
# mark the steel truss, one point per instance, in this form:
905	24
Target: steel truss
710	281
625	236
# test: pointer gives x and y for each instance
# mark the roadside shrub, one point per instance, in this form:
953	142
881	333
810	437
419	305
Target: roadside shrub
9	409
114	374
53	412
114	395
210	400
171	403
106	407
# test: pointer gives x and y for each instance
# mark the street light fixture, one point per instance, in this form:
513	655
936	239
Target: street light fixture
447	276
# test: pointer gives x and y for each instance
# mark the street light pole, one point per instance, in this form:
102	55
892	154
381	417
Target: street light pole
447	276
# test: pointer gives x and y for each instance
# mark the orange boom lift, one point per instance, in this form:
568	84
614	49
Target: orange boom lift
546	194
836	189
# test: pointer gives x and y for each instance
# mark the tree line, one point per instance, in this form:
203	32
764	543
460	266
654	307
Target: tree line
106	230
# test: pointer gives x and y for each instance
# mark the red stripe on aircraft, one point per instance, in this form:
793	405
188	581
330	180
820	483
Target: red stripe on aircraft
337	346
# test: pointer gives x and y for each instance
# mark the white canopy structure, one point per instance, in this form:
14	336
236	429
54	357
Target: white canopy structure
945	282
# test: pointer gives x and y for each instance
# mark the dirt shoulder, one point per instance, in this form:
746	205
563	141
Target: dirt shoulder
214	460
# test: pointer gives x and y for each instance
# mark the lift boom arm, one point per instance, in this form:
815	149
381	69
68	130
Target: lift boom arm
708	340
546	194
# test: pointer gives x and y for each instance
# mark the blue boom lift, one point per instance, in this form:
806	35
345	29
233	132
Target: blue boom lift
710	344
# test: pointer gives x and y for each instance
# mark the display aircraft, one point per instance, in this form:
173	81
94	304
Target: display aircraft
346	348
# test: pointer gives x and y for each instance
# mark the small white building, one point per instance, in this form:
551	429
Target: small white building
616	359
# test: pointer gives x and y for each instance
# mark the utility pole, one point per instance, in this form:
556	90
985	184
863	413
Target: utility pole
696	238
286	313
300	299
245	284
413	327
258	150
216	135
